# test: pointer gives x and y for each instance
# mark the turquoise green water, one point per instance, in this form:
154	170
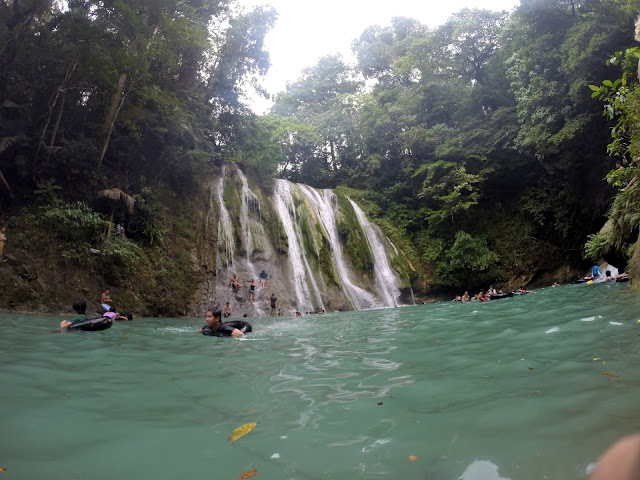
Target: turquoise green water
505	389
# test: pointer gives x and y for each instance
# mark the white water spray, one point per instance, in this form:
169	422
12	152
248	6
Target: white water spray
300	269
324	206
386	281
226	244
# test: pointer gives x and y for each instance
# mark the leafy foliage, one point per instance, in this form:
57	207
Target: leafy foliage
451	135
488	112
142	97
622	105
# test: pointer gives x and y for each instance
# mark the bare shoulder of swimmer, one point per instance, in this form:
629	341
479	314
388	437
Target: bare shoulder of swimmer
236	333
621	461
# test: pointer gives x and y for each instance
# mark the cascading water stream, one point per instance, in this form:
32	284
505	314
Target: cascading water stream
247	198
226	243
323	204
386	281
249	203
300	269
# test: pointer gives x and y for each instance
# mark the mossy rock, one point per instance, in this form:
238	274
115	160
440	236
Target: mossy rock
352	237
325	264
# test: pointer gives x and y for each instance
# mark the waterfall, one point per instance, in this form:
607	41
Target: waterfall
249	203
386	281
248	200
226	244
241	235
300	269
324	204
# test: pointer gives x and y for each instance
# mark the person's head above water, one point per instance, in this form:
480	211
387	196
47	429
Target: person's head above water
79	306
213	318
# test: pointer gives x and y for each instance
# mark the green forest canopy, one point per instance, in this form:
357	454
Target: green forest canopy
476	145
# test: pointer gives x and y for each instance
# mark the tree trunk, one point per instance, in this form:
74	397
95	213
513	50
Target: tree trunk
52	104
57	124
333	155
110	121
6	184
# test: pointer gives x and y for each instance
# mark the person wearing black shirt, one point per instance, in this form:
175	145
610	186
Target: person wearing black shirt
215	328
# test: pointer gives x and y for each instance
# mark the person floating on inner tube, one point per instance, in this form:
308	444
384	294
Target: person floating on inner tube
215	328
80	307
113	315
624	276
521	289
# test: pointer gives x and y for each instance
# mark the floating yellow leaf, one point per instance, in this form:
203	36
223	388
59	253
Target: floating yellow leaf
413	458
612	375
596	359
530	368
604	363
125	335
3	469
250	473
241	431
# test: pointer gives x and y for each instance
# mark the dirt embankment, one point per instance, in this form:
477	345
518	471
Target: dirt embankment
41	284
29	283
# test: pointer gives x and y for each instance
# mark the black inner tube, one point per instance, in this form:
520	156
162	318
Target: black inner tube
92	324
498	296
240	325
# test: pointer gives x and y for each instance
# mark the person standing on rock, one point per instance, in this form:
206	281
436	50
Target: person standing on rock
274	305
252	288
263	278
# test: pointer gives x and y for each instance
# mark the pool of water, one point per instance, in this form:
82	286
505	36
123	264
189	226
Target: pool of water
509	389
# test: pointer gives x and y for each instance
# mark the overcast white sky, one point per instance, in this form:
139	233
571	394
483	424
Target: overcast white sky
309	29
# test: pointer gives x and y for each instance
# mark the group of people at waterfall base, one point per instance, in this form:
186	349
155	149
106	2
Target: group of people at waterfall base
493	294
215	327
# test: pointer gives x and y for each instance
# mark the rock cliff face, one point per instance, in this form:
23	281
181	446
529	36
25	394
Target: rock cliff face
317	248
